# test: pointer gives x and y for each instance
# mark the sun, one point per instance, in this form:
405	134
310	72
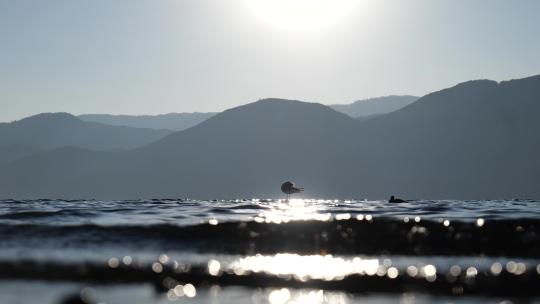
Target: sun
302	14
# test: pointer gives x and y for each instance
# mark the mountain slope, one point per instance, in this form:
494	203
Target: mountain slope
374	106
475	140
244	150
54	130
171	121
14	152
238	152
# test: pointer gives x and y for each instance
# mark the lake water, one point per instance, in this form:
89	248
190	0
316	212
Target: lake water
269	251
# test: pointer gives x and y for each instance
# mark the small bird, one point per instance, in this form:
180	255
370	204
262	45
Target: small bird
289	188
396	200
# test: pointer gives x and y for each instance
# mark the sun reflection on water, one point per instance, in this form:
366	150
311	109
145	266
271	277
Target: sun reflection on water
286	296
283	211
322	267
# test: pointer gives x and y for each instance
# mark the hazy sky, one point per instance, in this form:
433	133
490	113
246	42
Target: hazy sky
159	56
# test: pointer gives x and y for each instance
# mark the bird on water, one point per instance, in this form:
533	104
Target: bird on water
289	189
396	200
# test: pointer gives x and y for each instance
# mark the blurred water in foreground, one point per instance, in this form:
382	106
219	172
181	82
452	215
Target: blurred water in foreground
269	251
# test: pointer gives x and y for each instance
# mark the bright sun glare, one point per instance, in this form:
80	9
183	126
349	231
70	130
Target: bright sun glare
302	14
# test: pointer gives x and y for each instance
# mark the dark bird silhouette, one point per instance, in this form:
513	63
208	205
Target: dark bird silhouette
396	200
289	188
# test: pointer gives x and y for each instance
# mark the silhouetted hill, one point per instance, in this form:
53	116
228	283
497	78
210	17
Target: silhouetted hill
238	152
374	106
244	150
171	121
53	130
272	122
475	140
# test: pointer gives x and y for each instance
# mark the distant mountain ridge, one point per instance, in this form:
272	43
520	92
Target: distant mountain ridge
475	140
181	121
171	121
375	106
54	130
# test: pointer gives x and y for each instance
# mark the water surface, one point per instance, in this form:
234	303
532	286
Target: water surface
271	251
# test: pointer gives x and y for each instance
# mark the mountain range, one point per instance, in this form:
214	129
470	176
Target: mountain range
375	106
181	121
171	121
475	140
48	131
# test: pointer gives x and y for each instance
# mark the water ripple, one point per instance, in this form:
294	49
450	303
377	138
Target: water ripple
189	212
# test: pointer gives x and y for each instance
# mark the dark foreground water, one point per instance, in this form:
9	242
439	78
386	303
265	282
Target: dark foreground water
269	251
